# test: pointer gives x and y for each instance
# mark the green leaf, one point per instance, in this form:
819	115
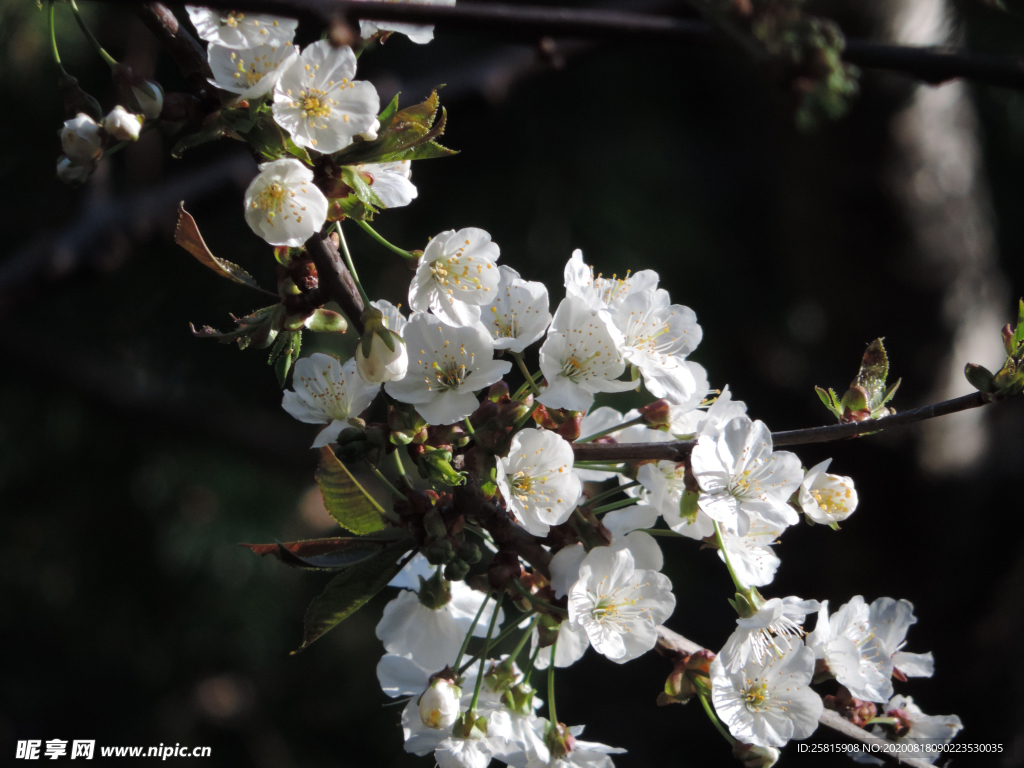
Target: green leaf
980	377
256	329
351	589
426	151
346	500
350	207
294	149
329	554
407	129
186	234
361	187
874	369
285	352
830	401
1018	334
215	132
267	138
389	111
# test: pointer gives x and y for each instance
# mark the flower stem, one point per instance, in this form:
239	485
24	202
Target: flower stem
611	492
111	61
501	636
401	469
703	696
53	43
616	505
349	263
610	430
662	532
469	427
528	672
601	467
522	640
538	601
469	632
740	586
483	656
518	357
552	714
380	476
376	236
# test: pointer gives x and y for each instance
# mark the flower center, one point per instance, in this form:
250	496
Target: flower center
452	273
506	330
314	103
756	695
451	376
231	19
573	368
271	199
831	500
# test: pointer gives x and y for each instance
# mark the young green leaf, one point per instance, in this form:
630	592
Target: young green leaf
346	500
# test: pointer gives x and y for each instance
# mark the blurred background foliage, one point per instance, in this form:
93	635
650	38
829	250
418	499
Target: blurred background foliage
134	458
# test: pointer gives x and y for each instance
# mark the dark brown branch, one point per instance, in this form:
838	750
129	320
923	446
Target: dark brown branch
680	449
675	643
930	64
335	278
188	54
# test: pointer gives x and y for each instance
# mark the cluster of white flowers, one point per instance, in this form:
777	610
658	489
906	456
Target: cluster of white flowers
603	585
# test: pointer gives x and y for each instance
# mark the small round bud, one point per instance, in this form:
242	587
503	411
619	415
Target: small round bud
456	570
122	124
81	140
439	553
439	704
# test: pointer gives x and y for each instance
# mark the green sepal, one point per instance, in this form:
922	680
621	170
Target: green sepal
285	352
326	321
345	499
688	505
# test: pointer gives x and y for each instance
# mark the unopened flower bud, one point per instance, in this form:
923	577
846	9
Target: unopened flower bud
70	173
81	140
380	354
456	570
497	391
370	134
657	414
440	552
980	377
439	704
122	124
755	757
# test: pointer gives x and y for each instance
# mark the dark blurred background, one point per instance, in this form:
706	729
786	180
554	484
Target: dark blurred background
134	458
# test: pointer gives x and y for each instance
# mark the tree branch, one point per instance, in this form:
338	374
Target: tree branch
334	278
188	54
931	64
680	449
675	643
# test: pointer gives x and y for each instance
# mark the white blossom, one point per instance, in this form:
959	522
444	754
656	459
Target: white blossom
283	205
582	754
432	637
742	478
238	29
537	481
450	749
383	364
601	292
401	676
446	366
752	558
149	98
571	645
890	619
851	651
827	499
664	485
776	627
694	422
82	141
329	392
250	72
456	275
439	704
122	125
656	337
518	315
580	357
768	703
618	605
319	103
391	182
915	727
418	33
602	419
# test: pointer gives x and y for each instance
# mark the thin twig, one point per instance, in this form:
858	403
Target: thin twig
680	449
675	643
930	64
335	279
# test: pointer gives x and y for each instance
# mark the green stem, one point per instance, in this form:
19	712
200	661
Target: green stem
469	632
53	43
526	416
663	532
349	263
538	601
616	505
401	469
552	714
600	466
528	672
483	656
469	427
702	695
610	430
522	641
111	61
611	492
376	236
740	586
530	383
501	636
380	476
